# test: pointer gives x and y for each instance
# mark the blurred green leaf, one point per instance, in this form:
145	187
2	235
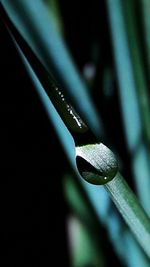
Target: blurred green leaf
129	102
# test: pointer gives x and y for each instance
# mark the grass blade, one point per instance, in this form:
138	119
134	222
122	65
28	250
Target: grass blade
138	67
145	7
50	48
129	103
131	211
106	168
52	114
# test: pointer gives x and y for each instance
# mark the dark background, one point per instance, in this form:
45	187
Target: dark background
32	207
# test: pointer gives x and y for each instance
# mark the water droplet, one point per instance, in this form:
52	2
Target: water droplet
96	163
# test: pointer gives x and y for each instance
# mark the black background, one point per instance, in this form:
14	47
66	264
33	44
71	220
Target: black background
32	206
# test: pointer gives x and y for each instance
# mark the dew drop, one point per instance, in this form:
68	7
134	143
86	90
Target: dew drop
96	163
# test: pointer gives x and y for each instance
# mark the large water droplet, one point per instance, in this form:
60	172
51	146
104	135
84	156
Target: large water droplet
96	163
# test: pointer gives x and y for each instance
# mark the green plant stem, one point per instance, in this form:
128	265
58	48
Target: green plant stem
120	235
129	103
62	135
131	210
50	48
145	6
71	119
84	139
138	66
92	191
